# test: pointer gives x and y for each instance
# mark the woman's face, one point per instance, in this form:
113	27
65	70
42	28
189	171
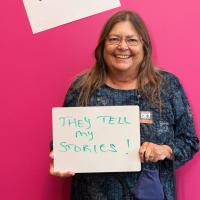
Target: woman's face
123	49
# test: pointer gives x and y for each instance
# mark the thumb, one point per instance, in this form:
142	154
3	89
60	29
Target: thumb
51	155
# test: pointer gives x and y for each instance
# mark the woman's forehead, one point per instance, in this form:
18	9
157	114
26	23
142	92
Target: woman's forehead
123	28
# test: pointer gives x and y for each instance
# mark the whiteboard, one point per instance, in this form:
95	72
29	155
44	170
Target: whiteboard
46	14
96	139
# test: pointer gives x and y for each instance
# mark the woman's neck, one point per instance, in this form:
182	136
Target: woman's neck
121	81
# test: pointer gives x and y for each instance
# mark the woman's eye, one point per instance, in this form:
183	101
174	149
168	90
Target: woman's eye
114	39
132	41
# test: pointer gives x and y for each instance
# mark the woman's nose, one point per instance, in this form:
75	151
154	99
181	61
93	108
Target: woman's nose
122	45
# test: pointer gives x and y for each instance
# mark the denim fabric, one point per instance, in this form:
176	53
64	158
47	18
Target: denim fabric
173	126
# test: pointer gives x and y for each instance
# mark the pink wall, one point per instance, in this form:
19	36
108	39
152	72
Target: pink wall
36	70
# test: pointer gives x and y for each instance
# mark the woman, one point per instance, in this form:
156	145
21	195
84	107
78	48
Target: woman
124	75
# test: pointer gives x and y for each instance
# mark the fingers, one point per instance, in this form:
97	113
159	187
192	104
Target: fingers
150	152
51	155
168	151
59	174
148	155
62	174
142	151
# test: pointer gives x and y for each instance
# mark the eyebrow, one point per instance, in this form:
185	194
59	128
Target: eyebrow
128	36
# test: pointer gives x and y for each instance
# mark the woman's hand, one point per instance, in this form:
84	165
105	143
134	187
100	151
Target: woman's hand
59	174
150	152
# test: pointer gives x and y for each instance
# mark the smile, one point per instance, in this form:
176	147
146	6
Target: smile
122	56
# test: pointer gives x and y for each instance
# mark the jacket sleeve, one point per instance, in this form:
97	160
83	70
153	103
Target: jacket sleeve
71	97
185	141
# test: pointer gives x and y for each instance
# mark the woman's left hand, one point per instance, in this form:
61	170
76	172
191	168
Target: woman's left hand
150	152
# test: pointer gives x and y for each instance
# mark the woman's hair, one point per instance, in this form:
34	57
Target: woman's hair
96	76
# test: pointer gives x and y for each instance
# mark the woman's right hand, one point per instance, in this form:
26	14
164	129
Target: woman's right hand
59	174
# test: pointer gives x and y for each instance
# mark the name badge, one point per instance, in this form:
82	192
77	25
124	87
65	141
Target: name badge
146	117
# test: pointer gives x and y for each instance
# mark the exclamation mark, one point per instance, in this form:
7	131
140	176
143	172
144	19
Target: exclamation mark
128	144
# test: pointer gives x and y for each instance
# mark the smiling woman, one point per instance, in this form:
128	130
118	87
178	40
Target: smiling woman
123	53
125	75
123	59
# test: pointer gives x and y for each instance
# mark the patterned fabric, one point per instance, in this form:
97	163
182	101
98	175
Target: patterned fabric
173	126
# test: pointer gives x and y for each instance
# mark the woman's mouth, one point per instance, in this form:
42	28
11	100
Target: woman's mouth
122	56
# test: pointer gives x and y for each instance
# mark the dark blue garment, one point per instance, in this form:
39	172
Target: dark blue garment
173	126
148	187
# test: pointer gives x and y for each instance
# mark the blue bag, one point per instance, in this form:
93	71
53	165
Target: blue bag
149	186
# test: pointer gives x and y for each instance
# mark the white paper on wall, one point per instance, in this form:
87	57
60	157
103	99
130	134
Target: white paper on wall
46	14
96	139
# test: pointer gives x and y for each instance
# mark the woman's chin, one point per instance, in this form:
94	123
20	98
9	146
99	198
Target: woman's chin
122	67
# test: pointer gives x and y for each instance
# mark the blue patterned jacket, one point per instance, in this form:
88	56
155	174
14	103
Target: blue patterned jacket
173	126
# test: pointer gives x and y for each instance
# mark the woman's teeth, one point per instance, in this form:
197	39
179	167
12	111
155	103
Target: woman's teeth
122	56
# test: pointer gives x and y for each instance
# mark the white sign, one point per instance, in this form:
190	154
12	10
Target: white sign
96	139
46	14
